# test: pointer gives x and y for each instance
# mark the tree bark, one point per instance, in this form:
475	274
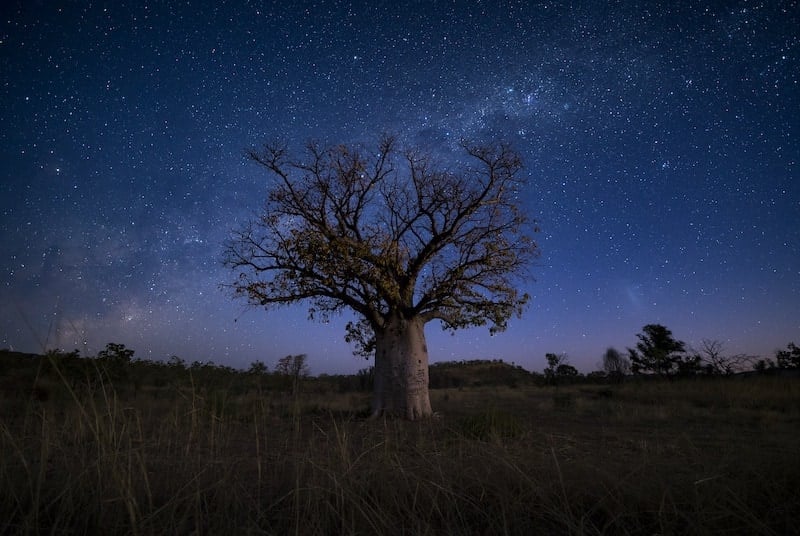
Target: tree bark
401	369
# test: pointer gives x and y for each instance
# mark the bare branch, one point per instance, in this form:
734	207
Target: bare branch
388	231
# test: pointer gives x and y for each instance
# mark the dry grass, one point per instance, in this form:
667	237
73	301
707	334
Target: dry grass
704	457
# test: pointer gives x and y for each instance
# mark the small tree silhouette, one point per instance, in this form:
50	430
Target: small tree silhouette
176	362
293	367
789	358
615	365
558	368
658	352
116	353
257	368
713	360
116	360
566	371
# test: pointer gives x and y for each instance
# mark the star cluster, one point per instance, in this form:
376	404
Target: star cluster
660	145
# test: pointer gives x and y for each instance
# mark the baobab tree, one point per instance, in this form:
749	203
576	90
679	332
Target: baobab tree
397	239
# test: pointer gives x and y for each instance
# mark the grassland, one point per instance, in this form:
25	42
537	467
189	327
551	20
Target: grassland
182	454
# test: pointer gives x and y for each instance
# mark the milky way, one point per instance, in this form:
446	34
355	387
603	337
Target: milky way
660	147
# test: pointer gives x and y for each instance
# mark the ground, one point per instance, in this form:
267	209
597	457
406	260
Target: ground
694	456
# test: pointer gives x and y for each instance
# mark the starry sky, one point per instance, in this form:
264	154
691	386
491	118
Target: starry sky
660	143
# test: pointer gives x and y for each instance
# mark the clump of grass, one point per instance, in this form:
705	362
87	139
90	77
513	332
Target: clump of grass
490	425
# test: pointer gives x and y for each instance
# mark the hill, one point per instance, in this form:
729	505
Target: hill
479	372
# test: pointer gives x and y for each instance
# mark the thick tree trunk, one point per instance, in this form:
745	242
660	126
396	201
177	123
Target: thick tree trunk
401	370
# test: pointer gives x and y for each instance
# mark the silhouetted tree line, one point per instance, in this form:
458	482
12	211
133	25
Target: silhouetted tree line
656	355
116	367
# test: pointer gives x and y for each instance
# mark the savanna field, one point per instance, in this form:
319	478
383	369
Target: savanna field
91	446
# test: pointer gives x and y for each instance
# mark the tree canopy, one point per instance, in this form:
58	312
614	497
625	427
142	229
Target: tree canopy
385	230
659	352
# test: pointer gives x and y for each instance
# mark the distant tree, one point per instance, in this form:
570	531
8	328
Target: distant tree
713	360
257	368
566	371
688	365
789	358
293	367
176	362
116	361
396	238
56	354
553	360
762	365
116	353
615	365
258	371
558	368
659	353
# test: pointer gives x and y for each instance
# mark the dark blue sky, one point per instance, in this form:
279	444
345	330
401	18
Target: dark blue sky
661	146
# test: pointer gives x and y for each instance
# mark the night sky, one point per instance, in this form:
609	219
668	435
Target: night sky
661	149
